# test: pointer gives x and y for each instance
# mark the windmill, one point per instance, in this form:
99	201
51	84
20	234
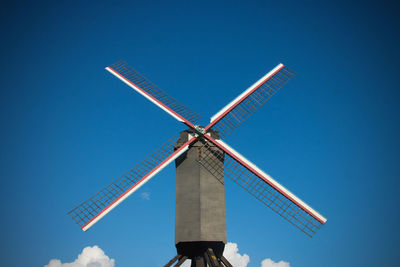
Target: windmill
202	163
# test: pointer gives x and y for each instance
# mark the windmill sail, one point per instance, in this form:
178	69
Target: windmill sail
93	209
211	154
149	90
233	114
263	187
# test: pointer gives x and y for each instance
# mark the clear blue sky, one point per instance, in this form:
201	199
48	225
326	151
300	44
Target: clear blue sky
69	127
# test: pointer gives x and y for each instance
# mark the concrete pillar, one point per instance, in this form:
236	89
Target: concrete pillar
200	220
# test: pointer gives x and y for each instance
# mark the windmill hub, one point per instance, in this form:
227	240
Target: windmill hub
199	129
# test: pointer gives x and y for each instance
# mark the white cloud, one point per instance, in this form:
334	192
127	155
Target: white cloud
271	263
145	195
232	255
90	257
95	257
186	263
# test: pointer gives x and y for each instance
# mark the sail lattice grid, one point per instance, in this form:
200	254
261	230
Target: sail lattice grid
260	189
122	68
253	102
87	210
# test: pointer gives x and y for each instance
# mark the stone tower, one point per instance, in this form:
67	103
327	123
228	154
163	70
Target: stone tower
200	221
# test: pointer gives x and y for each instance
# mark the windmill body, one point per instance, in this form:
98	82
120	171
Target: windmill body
203	162
200	221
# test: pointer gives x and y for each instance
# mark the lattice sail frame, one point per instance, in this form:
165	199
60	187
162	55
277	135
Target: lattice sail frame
149	90
261	186
225	121
90	211
235	113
